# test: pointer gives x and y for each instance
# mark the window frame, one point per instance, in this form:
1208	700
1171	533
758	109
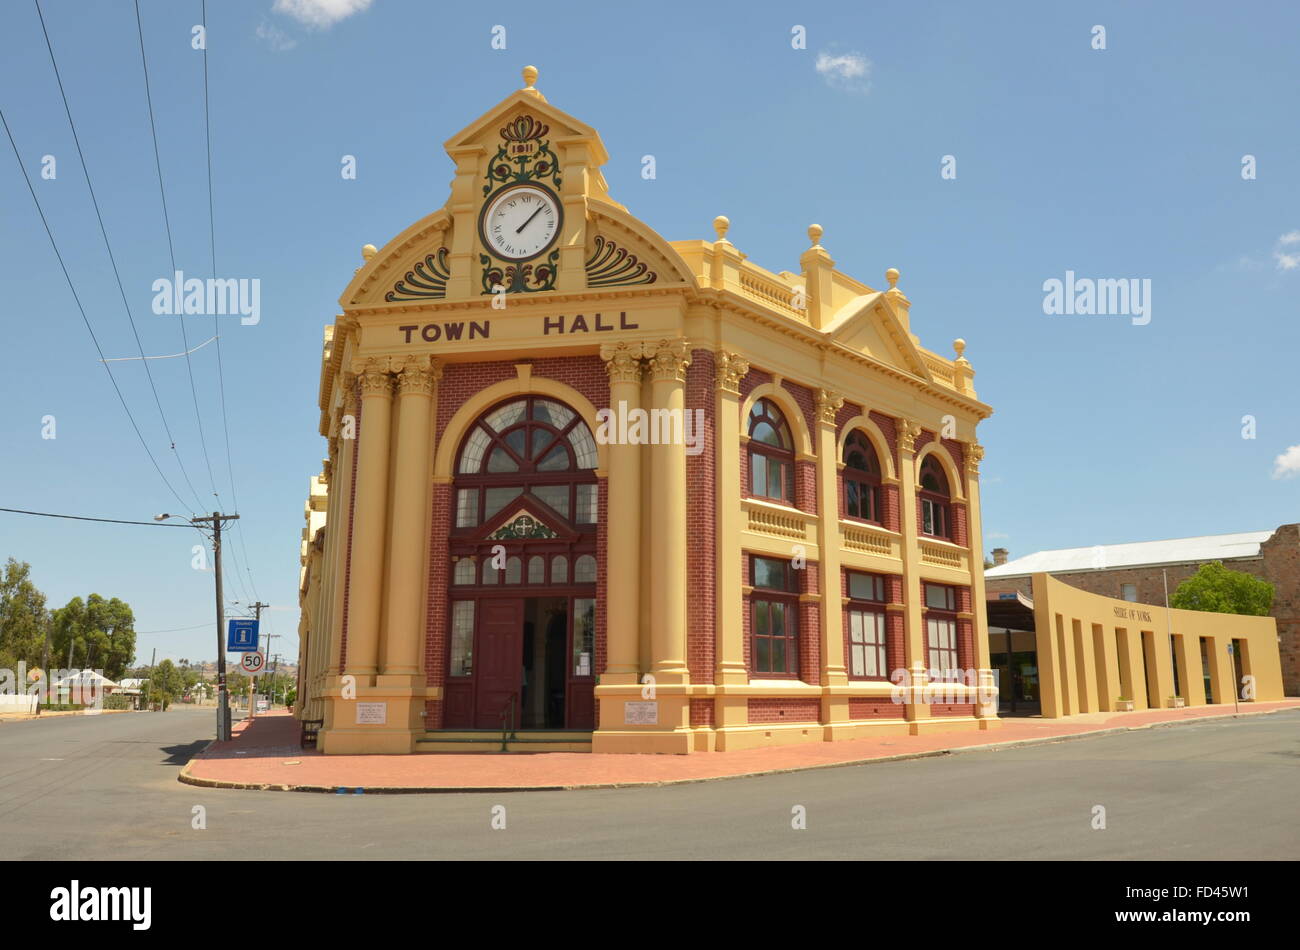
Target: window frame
875	608
937	506
947	615
763	600
865	480
766	410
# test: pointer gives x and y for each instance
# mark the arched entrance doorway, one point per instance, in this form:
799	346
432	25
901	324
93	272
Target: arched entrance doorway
522	630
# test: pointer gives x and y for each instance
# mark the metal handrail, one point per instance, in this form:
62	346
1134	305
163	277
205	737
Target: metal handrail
508	724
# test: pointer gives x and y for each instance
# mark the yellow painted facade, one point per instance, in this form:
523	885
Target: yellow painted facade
833	354
1094	652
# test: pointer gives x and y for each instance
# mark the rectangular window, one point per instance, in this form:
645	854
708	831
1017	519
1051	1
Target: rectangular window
940	597
553	496
867	644
466	507
774	616
867	587
584	636
587	511
1129	592
462	638
934	518
860	500
494	499
941	640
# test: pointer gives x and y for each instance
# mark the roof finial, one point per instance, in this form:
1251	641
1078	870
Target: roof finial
720	226
368	251
815	234
959	347
530	76
891	275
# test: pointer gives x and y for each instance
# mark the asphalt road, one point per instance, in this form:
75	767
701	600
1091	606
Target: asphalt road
105	788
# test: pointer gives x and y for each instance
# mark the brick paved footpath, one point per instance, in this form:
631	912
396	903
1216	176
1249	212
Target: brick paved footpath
264	754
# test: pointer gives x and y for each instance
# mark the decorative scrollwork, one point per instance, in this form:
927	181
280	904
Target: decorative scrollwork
519	278
611	265
522	145
427	279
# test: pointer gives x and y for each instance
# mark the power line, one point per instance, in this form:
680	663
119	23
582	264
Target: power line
49	514
171	250
84	319
103	230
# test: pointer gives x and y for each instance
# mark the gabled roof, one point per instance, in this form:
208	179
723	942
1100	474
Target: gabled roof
1213	547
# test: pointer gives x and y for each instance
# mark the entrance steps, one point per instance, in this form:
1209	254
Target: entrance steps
489	740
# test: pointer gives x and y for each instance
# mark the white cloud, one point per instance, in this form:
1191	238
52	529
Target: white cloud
1287	465
275	37
1287	251
320	14
849	71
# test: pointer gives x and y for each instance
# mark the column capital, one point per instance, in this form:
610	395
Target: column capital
375	375
623	361
974	455
327	469
668	360
418	375
908	430
731	369
828	406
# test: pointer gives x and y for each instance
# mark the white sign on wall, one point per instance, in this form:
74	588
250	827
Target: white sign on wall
372	714
641	714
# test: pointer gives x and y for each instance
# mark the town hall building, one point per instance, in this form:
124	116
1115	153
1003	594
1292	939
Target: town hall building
590	489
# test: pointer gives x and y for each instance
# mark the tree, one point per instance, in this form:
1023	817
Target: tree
1215	588
165	684
24	621
94	634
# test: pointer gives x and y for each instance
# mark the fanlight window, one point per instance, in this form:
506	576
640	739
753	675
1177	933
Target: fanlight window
936	512
861	478
530	446
771	453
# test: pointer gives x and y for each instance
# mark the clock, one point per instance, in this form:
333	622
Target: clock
520	222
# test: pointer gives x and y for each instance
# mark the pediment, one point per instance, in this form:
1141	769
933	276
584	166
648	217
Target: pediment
869	325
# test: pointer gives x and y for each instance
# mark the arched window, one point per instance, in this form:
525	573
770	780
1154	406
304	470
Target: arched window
936	511
771	453
861	478
529	446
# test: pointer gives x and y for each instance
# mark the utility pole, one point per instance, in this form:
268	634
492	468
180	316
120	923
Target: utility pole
252	688
153	661
223	699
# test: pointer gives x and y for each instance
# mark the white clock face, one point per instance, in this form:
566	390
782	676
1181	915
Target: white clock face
521	223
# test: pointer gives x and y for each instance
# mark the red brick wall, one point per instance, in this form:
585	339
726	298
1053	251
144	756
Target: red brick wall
436	636
874	707
784	710
746	618
701	494
702	712
805	486
965	632
803	396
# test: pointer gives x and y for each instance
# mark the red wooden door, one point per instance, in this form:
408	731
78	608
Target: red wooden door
498	660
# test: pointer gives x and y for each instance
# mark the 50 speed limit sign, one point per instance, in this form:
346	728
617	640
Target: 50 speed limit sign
253	662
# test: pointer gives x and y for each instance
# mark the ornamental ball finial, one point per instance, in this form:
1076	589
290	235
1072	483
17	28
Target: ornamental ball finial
891	275
720	226
959	346
530	76
814	233
368	251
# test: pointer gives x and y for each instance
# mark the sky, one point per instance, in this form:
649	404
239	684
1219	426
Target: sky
1123	162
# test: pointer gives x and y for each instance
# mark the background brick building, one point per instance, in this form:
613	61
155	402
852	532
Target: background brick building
1137	571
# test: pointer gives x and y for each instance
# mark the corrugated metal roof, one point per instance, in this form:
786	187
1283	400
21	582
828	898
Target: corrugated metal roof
1213	547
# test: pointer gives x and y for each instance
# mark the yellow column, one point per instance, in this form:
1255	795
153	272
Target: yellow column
342	522
913	596
1160	665
1190	673
1222	677
729	624
623	545
834	672
412	457
1108	688
979	606
1085	667
364	594
668	362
